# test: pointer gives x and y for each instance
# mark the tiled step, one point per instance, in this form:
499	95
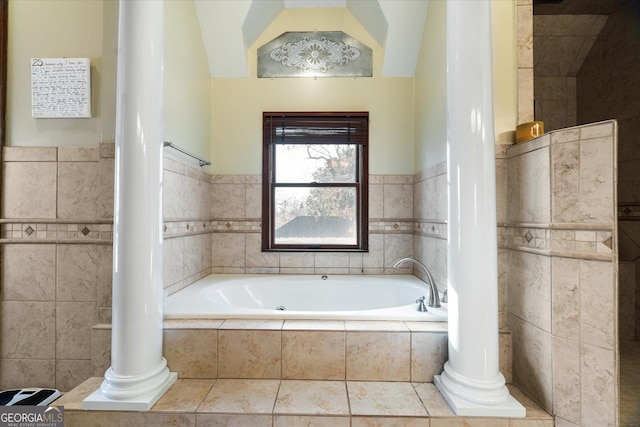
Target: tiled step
282	403
302	349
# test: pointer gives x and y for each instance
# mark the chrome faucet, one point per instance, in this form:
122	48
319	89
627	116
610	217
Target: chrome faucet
434	297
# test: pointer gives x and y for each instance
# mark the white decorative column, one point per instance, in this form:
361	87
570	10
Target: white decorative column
471	381
138	375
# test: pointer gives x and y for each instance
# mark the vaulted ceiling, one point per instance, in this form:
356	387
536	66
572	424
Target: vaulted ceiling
230	27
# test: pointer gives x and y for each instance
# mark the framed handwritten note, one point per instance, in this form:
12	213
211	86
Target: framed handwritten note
60	87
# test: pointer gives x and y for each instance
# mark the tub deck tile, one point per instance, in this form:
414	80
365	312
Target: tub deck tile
233	420
253	324
285	403
184	396
389	422
370	351
192	323
533	409
249	354
312	398
309	420
384	398
376	325
427	326
436	405
241	396
192	353
378	356
313	325
72	400
469	422
313	355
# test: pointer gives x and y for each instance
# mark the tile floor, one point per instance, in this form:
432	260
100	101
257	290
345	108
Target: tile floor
629	383
284	403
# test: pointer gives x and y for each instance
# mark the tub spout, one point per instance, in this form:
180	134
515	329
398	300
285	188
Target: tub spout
434	297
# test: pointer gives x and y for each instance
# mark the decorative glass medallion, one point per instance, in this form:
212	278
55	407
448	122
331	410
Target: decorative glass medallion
314	54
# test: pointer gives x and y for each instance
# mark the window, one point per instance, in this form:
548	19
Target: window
314	181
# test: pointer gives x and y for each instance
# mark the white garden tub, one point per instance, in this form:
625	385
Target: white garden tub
274	296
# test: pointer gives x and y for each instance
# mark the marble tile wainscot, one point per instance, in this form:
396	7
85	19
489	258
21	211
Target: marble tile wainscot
560	239
56	284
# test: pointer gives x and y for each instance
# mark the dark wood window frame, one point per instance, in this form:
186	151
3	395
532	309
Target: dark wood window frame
356	132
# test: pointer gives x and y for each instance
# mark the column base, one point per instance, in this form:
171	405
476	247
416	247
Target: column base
99	401
467	400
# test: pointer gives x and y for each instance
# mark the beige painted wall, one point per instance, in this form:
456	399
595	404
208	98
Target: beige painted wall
65	28
430	107
505	75
71	28
108	76
187	84
430	82
238	103
407	115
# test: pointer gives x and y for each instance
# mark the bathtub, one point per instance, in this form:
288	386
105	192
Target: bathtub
274	296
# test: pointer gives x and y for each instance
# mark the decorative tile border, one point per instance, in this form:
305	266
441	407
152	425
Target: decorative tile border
173	229
47	231
573	242
387	226
629	212
438	230
239	225
582	241
528	237
43	230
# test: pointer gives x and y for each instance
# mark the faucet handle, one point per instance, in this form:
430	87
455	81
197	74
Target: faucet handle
421	306
444	296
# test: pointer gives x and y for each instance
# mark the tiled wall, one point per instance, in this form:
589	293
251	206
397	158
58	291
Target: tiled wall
560	240
236	248
430	238
607	86
57	211
56	242
186	207
430	213
525	60
57	216
298	349
57	220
